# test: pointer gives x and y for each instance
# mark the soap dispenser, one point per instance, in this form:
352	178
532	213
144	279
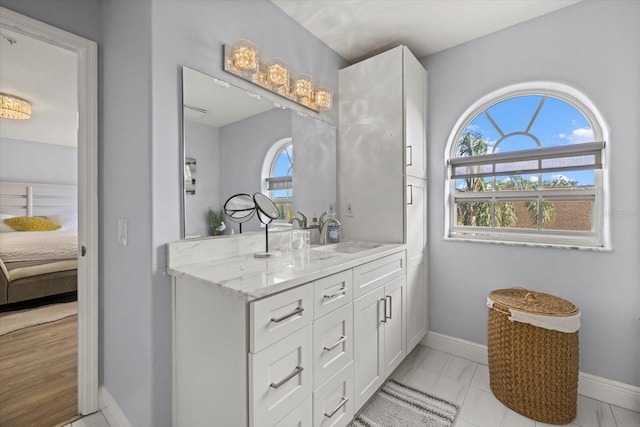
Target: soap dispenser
333	229
314	229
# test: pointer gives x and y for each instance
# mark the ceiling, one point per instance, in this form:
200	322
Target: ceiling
201	95
358	29
44	75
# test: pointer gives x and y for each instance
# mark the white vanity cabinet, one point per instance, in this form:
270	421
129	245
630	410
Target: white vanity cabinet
379	328
285	358
383	165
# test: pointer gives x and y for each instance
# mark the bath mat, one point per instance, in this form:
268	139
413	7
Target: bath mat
399	405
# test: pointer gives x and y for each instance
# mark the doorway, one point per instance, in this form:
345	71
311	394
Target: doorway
85	52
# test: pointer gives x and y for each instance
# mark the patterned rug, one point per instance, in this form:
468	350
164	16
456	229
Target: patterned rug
399	405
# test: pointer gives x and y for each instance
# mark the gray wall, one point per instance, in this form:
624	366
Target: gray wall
26	161
192	33
595	47
244	146
126	160
202	143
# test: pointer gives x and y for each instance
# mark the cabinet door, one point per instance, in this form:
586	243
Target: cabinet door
301	416
395	337
416	305
333	344
415	115
416	261
280	378
333	402
416	221
368	346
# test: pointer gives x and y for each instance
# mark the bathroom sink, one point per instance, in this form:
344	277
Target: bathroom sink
348	247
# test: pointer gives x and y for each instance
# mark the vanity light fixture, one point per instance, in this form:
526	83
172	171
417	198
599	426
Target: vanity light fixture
243	60
12	107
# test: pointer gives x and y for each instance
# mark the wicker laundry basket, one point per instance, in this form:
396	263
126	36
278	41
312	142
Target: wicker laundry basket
533	354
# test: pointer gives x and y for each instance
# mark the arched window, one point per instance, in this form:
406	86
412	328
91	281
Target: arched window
526	165
278	177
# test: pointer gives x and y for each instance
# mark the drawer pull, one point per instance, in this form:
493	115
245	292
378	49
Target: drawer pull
340	291
284	380
286	316
343	401
384	316
340	341
390	305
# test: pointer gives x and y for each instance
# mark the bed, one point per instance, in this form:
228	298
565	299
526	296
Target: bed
36	264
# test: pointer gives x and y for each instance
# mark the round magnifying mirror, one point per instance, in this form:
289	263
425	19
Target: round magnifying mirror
267	210
240	208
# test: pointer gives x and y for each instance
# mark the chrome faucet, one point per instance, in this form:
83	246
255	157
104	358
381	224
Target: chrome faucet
302	222
325	226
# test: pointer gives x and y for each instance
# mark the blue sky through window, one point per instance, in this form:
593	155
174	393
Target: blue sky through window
504	127
284	167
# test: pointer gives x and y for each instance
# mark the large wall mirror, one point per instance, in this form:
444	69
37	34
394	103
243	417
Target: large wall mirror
244	143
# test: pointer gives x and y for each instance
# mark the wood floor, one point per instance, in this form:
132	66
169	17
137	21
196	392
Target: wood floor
38	375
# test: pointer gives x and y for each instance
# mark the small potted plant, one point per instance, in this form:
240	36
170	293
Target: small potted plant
216	225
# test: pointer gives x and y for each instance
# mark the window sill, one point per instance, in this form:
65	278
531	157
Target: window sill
530	244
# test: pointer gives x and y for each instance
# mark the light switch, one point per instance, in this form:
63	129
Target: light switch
122	232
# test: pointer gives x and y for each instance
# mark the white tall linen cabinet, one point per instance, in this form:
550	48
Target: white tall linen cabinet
383	166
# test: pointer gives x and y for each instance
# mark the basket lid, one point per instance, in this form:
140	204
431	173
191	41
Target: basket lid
533	302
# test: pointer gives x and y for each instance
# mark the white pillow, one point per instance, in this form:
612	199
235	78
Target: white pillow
4	228
66	221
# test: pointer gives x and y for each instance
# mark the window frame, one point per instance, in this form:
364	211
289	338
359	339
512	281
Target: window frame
598	239
268	167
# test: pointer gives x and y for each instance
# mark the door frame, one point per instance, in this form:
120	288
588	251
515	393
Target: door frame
87	71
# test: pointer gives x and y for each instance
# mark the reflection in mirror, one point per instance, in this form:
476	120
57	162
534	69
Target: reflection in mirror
240	208
190	175
243	143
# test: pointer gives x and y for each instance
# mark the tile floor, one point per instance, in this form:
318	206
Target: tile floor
467	384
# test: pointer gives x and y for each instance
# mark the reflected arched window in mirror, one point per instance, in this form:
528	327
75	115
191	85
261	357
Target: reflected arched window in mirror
278	179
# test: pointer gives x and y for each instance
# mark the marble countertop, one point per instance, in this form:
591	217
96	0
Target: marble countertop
247	277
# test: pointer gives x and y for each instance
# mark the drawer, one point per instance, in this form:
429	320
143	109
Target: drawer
332	292
371	275
332	344
333	402
280	378
301	416
275	317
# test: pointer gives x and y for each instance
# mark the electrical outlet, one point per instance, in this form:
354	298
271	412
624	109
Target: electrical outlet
349	211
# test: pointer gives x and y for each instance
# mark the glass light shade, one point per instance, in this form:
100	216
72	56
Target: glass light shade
12	107
303	85
278	73
324	98
245	55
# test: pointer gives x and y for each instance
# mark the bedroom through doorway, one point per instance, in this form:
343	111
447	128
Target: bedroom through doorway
48	224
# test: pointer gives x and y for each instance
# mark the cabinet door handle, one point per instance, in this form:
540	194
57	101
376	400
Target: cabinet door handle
343	401
340	341
384	317
286	316
340	291
410	155
410	191
390	307
284	380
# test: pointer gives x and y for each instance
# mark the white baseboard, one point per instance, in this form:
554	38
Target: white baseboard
111	410
612	392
